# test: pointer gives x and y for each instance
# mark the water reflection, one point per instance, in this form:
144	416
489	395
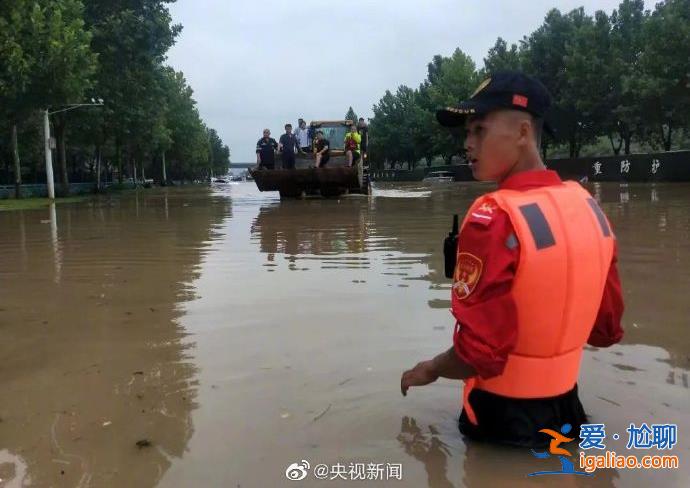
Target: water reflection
506	466
94	359
398	232
428	449
57	253
653	235
220	339
294	230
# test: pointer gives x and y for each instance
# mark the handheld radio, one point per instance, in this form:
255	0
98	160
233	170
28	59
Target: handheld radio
450	246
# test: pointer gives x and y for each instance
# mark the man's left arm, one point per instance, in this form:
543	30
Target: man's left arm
607	328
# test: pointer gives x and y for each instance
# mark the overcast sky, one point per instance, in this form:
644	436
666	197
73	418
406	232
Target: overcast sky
262	64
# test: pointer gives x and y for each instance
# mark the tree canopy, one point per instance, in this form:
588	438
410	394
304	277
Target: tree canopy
621	78
57	53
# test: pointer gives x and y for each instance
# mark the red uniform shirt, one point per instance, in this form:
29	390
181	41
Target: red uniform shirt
487	317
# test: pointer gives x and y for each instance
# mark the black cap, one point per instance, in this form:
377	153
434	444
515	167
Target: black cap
503	90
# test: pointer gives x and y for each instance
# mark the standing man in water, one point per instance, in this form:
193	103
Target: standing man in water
535	277
266	151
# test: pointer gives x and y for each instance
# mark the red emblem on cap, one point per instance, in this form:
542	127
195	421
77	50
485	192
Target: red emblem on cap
520	101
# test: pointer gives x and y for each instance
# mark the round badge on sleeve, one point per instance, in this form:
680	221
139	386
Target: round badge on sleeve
467	272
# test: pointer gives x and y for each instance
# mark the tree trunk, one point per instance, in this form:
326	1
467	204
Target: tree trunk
98	168
134	171
118	157
60	136
616	149
17	165
626	140
572	147
165	176
666	137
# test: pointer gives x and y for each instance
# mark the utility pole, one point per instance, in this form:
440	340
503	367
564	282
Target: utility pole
165	176
48	150
49	155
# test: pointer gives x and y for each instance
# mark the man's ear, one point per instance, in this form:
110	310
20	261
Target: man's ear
526	132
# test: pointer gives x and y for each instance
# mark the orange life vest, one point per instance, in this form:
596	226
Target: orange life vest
566	247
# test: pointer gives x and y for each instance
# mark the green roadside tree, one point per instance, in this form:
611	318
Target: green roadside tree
591	82
131	39
220	153
15	69
627	45
64	65
663	82
351	115
543	55
456	81
501	57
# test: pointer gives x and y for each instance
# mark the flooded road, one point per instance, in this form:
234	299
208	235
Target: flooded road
212	337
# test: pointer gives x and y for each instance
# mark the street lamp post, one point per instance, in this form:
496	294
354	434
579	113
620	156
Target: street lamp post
49	156
48	150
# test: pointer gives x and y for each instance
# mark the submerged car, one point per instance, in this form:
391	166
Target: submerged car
439	177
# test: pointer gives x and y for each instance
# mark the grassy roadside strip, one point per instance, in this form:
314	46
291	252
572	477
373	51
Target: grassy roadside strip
34	203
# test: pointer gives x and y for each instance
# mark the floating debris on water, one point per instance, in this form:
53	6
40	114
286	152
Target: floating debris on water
322	413
143	443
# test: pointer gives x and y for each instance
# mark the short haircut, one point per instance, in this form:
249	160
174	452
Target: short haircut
319	132
361	118
537	125
288	125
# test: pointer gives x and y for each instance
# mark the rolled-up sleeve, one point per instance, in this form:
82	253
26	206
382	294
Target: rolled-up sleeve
486	315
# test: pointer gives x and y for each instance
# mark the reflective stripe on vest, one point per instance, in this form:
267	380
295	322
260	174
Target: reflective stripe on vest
566	247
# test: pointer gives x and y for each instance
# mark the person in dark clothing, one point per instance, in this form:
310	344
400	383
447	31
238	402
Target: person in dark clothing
287	146
322	152
266	151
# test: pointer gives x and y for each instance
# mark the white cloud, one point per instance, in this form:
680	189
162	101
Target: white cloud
261	64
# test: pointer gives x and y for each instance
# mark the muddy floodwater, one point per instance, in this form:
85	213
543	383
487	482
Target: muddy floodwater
211	337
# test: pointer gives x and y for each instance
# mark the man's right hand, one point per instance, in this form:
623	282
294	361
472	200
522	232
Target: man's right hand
422	374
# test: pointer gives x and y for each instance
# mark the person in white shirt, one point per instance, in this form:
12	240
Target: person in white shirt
302	135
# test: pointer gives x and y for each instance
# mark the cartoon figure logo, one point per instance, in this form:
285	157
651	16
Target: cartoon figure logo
297	472
567	466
